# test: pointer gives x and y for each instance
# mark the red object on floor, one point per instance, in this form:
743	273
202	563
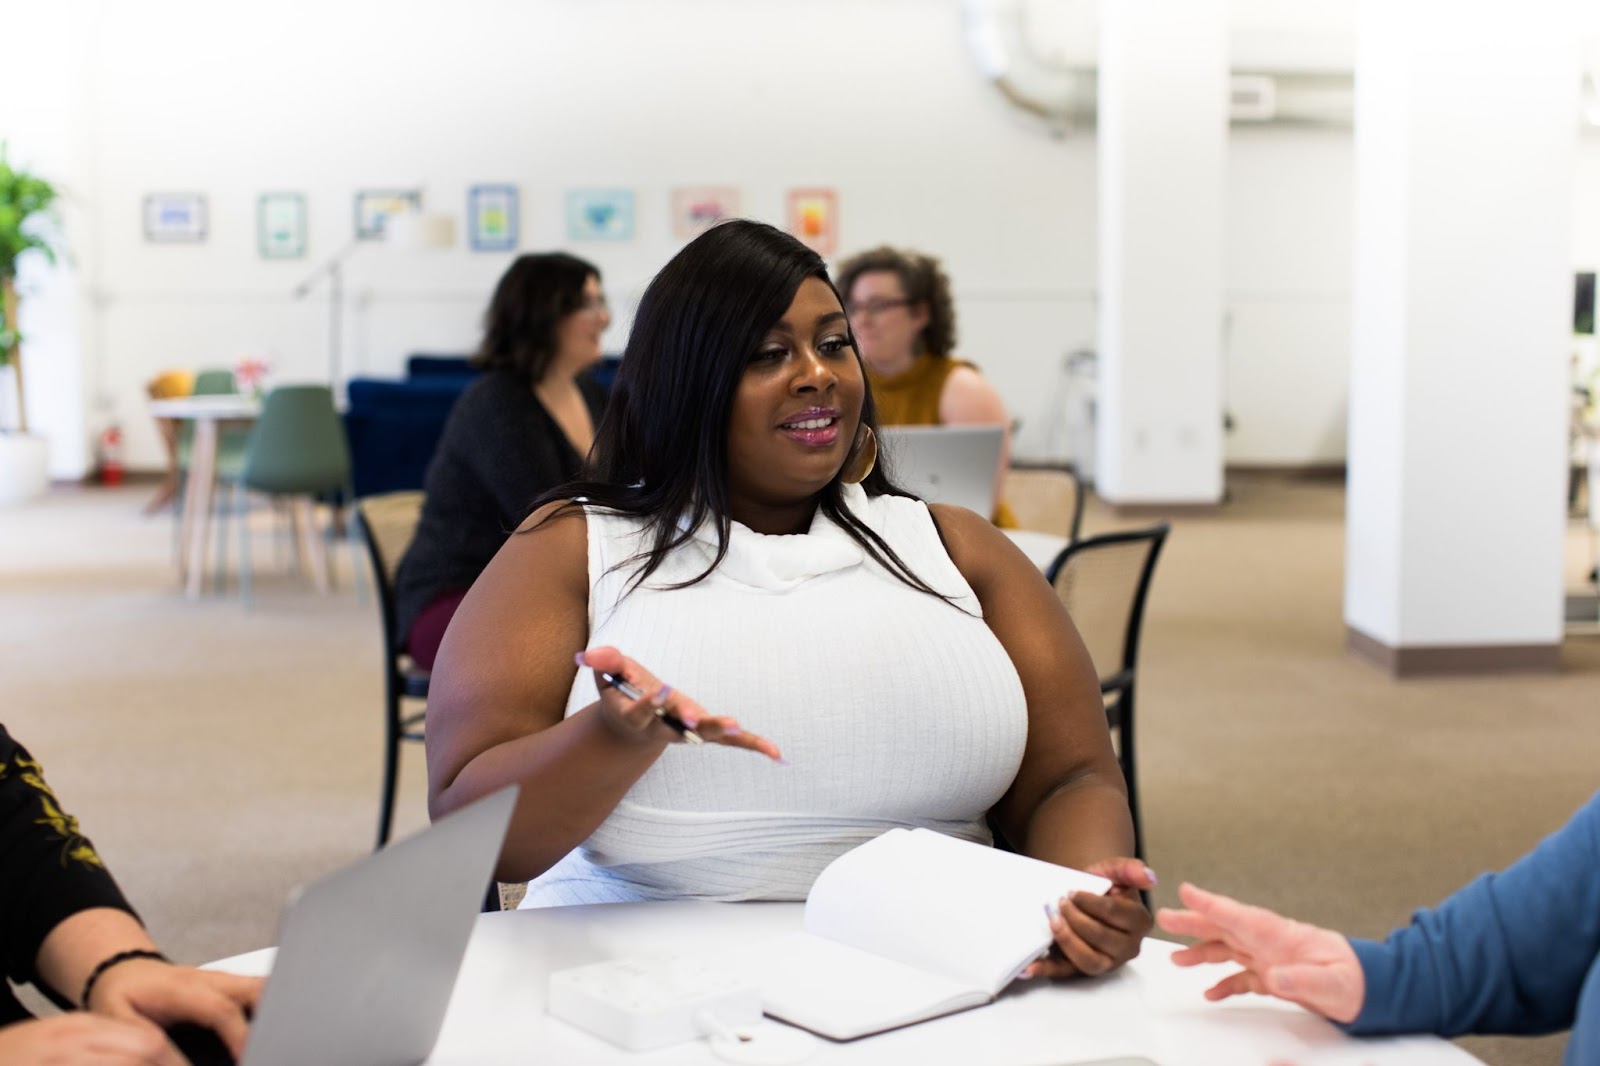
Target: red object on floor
111	456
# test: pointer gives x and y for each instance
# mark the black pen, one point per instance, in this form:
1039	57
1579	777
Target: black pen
676	724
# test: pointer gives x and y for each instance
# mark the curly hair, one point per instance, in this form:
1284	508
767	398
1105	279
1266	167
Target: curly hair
924	282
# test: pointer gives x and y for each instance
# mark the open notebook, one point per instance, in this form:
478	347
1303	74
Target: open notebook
909	926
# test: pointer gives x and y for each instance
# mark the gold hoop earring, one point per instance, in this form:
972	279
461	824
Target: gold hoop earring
863	456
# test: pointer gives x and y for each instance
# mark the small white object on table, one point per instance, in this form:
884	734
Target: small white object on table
1150	1007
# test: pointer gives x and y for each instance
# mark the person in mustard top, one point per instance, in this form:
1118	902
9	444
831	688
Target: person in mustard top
905	322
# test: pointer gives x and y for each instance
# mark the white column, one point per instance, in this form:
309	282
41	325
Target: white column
1161	140
1466	145
44	98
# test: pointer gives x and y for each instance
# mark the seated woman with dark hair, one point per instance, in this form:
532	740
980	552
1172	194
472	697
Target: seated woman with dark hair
66	928
521	428
733	536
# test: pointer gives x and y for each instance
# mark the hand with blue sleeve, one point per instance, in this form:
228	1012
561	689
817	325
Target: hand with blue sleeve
1305	964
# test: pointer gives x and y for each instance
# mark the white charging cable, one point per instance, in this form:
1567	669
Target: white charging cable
765	1044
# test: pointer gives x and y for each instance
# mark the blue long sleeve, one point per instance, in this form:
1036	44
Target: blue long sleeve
1512	952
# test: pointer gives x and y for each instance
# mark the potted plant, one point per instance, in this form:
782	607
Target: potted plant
27	215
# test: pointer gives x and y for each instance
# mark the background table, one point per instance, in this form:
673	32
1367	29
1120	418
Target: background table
206	412
1150	1007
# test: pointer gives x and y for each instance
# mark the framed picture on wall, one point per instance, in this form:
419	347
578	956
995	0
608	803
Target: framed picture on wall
492	218
814	218
281	225
600	214
175	217
374	207
697	208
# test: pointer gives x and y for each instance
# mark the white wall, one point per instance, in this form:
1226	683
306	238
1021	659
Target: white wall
879	98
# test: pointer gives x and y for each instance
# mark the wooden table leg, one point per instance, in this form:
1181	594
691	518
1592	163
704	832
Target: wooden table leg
313	548
197	503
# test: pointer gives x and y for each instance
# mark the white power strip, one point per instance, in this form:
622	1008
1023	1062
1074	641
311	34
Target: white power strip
651	1002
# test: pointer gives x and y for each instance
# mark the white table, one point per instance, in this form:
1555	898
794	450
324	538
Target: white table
1040	548
1151	1007
207	412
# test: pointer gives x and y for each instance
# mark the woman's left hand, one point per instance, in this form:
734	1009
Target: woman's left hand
1096	934
159	992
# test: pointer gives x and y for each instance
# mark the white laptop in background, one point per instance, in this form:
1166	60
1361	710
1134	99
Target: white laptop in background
368	956
944	464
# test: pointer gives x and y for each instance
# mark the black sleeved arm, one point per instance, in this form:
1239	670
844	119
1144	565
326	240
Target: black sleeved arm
48	869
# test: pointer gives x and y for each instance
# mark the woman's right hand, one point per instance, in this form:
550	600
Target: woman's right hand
638	719
84	1039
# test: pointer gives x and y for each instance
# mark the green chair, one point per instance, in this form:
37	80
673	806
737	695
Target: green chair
297	449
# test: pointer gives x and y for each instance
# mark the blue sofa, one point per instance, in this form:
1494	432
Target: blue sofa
393	426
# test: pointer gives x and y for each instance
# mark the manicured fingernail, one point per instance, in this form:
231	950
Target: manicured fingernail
1026	974
578	658
781	761
731	731
660	699
1051	914
1151	874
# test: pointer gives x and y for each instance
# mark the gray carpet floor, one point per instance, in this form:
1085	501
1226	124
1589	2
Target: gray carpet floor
219	756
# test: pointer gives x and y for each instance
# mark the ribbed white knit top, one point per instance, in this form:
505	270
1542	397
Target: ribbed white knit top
892	707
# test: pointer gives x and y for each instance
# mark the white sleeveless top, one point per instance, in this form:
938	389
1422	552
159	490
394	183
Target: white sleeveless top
891	707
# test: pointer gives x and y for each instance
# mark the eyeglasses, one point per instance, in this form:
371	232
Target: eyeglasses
595	303
873	307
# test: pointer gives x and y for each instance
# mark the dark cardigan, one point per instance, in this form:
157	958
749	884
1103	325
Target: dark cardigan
500	450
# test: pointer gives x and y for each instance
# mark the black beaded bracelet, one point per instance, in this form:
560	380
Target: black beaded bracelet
106	964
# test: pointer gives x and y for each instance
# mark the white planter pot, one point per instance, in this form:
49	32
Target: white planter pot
24	467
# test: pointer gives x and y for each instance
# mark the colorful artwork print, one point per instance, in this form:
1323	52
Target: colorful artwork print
374	207
696	209
814	218
281	225
600	215
175	217
492	218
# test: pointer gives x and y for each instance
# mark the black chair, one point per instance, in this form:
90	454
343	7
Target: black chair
1103	581
388	522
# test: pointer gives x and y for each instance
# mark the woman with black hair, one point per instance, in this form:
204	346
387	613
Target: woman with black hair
521	428
733	534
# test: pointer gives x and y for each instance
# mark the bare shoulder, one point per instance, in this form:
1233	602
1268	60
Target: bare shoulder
983	554
969	397
551	543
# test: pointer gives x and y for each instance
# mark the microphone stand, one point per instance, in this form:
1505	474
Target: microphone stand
333	270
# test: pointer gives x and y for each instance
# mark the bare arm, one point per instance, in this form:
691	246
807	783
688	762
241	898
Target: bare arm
498	694
1068	803
969	399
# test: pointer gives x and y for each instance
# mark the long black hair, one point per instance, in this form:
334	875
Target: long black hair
660	451
535	293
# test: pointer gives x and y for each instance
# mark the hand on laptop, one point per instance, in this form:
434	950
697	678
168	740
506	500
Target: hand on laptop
149	990
80	1037
639	718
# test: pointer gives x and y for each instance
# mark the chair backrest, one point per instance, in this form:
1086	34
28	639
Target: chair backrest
298	443
1048	499
214	381
388	522
1103	581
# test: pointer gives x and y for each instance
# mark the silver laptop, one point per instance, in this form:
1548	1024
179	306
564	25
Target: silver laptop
944	464
368	956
